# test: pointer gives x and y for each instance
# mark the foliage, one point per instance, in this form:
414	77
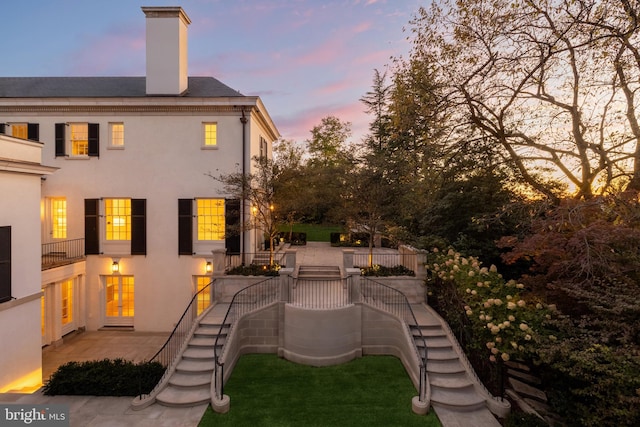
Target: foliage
470	213
505	324
521	419
258	190
269	391
585	257
105	377
382	271
255	270
549	85
579	241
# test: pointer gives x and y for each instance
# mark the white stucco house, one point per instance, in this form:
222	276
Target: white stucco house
21	172
130	218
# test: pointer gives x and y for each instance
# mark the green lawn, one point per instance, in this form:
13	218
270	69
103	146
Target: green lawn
268	391
315	232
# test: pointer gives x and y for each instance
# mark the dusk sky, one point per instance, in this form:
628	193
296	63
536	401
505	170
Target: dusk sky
305	59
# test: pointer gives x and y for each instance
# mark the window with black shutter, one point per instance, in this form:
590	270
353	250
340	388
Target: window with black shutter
185	226
5	263
138	227
91	227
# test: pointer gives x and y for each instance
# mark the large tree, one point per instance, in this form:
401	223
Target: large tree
538	80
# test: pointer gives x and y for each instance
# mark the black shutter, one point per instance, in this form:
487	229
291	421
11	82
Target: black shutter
33	131
5	264
3	128
232	225
185	226
60	140
91	227
138	226
94	146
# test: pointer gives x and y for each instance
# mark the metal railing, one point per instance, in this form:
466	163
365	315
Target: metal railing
386	259
320	293
395	302
55	254
245	301
171	348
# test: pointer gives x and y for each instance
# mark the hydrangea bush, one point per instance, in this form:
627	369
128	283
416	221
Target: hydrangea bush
504	321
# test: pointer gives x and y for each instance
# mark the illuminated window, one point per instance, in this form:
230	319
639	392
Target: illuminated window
79	138
204	298
210	134
116	137
59	218
119	296
210	219
19	130
67	301
118	219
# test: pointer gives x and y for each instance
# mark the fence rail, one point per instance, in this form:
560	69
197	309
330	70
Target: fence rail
386	259
320	293
61	253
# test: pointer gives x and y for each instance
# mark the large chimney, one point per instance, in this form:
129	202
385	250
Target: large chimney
166	50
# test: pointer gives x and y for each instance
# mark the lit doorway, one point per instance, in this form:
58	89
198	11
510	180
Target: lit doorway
119	298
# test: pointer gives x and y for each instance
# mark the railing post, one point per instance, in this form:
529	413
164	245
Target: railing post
290	259
285	279
347	257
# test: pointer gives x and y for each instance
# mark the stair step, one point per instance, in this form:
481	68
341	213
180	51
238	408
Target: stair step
206	342
179	379
206	331
180	397
454	380
465	399
195	366
432	331
438	342
445	366
444	353
198	353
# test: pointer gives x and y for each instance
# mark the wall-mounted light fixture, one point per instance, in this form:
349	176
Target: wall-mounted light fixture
115	267
208	267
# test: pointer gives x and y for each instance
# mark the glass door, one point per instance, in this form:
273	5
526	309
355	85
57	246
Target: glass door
119	298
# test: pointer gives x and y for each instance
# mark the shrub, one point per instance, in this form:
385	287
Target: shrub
503	322
382	271
522	419
105	377
255	270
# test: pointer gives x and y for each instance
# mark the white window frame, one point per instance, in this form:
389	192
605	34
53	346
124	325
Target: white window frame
204	136
112	134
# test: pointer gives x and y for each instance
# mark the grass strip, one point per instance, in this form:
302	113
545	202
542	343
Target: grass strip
315	232
268	391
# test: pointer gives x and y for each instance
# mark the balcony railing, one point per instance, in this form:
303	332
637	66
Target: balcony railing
65	252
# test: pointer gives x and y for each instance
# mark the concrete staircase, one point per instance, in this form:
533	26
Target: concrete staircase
455	395
190	383
319	272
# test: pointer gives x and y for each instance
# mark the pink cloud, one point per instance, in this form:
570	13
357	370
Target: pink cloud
121	52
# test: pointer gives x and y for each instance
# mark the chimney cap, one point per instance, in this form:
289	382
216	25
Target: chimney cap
166	12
